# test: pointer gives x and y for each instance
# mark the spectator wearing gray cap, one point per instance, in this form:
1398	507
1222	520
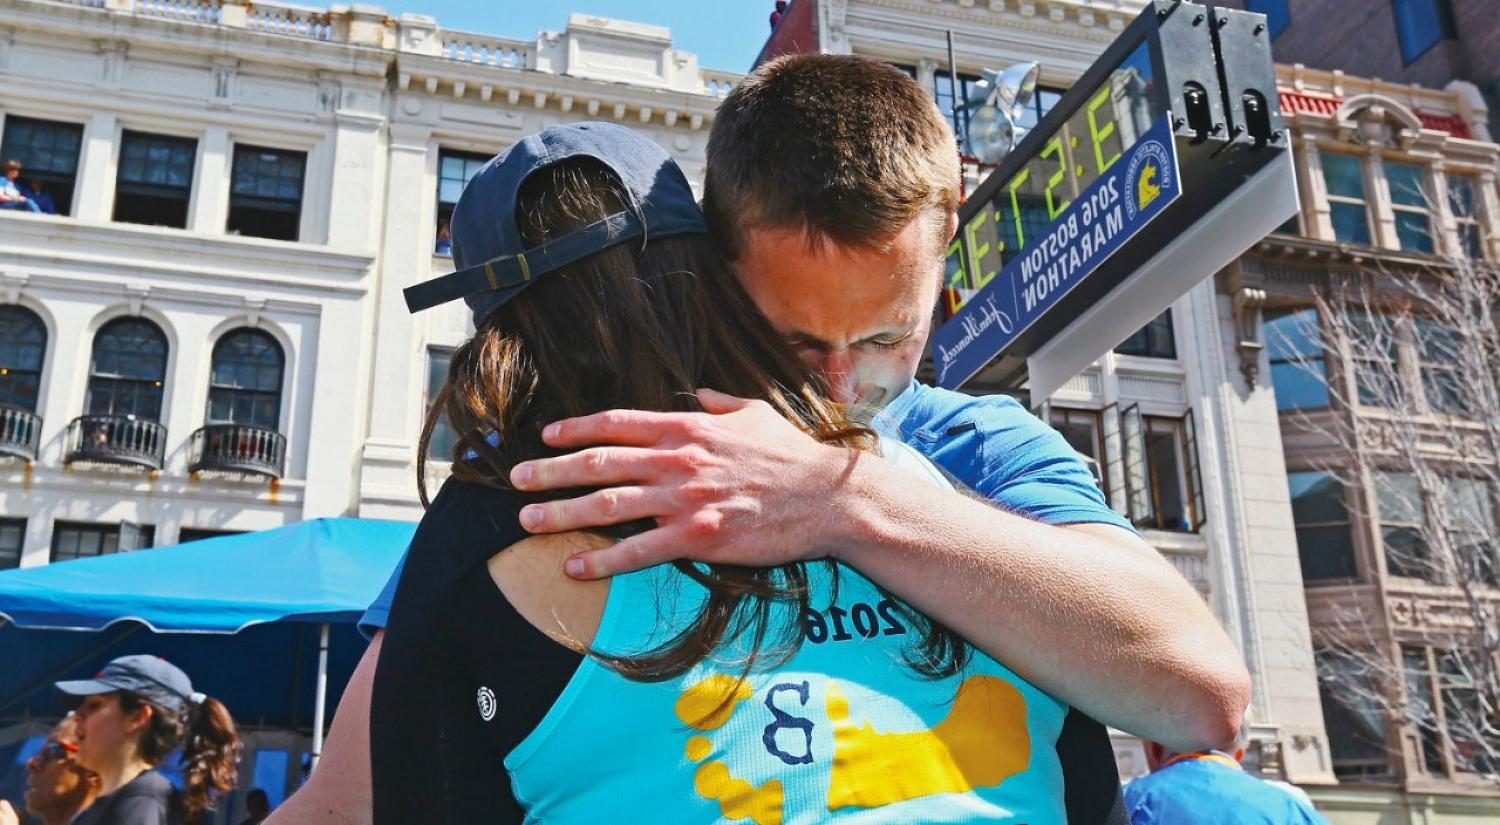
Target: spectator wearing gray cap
132	715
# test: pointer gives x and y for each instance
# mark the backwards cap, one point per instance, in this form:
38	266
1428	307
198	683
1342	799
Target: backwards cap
493	263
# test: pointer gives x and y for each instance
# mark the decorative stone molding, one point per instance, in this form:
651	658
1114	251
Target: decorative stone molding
1471	107
329	92
234	14
418	34
254	308
7	41
135	296
224	71
410	137
11	286
1377	120
833	15
1248	320
112	54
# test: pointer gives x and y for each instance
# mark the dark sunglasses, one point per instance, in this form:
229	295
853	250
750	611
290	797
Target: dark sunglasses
56	750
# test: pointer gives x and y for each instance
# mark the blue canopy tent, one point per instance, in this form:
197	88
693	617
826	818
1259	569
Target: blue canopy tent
260	620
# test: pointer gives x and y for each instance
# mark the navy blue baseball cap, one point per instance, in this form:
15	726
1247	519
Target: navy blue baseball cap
493	263
149	677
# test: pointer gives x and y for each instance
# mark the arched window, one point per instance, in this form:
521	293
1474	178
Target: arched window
244	386
23	344
128	370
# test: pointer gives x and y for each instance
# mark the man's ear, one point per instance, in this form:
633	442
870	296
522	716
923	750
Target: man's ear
950	225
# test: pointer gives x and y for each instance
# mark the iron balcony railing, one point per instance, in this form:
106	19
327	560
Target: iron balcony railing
116	439
237	448
20	432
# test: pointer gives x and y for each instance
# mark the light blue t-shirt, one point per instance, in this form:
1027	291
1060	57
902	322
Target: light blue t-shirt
1196	790
990	444
842	731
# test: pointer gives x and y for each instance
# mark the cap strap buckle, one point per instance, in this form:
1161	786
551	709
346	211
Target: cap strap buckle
511	273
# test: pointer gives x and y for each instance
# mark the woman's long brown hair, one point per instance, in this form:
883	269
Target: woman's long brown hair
210	745
632	328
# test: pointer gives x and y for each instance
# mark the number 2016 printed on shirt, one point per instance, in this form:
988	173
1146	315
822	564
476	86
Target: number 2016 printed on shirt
862	619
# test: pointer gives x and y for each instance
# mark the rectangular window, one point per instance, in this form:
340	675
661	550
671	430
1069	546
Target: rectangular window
155	180
77	540
48	153
12	538
1421	708
1277	16
1163	485
1438	348
1410	204
455	170
1299	369
1420	25
1467	717
1372	347
1154	340
942	92
1463	200
188	534
1135	467
1041	103
1167	443
1346	198
1403	526
1080	428
1352	716
1324	543
440	447
1471	528
265	192
1117	489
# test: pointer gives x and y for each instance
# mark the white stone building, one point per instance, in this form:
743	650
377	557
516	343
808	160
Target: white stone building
211	335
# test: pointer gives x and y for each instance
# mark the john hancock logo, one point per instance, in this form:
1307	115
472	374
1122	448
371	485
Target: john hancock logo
1150	172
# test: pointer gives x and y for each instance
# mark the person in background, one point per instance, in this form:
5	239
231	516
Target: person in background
11	196
36	189
1210	787
57	786
258	806
131	716
444	244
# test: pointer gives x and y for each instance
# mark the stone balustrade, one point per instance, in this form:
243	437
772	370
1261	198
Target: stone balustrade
486	49
645	50
191	11
288	19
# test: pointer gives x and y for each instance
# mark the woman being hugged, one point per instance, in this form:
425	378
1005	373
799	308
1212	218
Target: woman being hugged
687	692
131	717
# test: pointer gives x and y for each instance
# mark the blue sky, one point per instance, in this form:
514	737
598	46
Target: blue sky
726	34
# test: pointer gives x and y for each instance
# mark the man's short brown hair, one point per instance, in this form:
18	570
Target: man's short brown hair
847	148
11	166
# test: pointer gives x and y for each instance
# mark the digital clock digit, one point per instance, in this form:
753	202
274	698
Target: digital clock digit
1071	156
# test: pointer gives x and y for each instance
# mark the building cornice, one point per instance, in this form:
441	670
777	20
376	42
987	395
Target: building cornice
441	78
30	245
202	40
1055	18
1308	93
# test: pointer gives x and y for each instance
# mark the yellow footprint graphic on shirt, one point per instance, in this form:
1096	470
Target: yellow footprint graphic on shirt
706	706
982	741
